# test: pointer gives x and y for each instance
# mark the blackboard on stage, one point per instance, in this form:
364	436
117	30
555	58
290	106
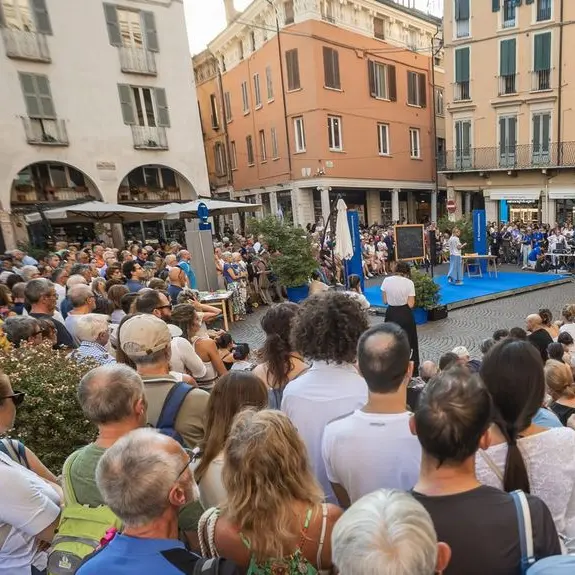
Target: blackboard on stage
409	242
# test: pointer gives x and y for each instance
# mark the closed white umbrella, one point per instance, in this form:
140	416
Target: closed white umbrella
343	243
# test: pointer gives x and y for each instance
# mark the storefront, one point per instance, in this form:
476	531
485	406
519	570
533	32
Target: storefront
518	205
564	203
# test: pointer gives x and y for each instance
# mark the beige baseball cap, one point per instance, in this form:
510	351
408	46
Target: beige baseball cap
144	335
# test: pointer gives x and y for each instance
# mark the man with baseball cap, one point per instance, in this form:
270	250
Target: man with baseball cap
146	340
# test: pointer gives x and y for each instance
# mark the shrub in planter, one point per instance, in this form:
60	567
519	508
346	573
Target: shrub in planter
465	225
426	291
50	421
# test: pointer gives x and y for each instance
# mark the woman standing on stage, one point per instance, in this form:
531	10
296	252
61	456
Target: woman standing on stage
399	294
455	274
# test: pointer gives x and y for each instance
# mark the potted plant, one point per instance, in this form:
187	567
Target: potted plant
426	296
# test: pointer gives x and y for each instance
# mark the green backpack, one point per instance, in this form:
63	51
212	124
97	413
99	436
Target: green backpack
80	531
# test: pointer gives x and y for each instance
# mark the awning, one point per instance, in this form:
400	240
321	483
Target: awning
566	193
510	194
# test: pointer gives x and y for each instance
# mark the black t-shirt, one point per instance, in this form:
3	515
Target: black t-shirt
541	340
563	412
64	339
482	529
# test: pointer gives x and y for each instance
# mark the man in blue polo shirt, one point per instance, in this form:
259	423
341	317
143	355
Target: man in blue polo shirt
184	262
135	275
145	478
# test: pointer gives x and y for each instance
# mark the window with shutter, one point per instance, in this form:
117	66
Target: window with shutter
214	112
541	138
250	150
416	89
257	91
378	80
228	106
292	65
245	98
383	139
275	151
462	14
414	143
37	96
233	155
334	133
331	68
299	133
379	28
127	104
288	12
163	119
542	62
41	17
263	147
507	66
151	32
269	84
462	74
113	24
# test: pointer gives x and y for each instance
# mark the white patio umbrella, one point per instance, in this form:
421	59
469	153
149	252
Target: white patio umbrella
343	243
215	207
97	212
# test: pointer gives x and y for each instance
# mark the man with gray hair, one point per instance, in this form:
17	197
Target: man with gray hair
73	280
91	330
29	273
145	478
387	532
42	297
83	301
22	329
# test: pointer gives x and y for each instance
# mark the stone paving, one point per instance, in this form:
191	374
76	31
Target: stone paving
467	326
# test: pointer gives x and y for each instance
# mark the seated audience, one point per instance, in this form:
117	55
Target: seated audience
115	295
559	381
83	301
388	532
230	395
356	293
316	285
22	330
274	519
538	335
92	332
547	322
452	423
448	360
373	448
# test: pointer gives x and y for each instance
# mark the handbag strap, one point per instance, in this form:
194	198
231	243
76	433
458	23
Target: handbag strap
493	466
525	529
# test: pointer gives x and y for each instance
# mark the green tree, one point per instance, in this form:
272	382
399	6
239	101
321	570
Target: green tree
465	225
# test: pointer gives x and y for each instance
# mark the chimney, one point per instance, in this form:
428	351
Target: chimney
231	12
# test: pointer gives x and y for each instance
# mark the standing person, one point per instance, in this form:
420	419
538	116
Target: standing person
232	275
184	262
325	332
455	274
452	423
526	241
398	292
373	448
135	274
83	302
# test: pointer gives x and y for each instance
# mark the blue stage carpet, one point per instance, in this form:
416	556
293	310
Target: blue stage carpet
477	287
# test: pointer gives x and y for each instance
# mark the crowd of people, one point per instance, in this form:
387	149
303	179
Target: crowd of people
332	449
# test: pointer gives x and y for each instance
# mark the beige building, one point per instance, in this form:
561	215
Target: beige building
510	87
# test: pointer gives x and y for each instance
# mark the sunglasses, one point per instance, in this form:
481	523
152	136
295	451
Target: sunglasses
17	397
168	306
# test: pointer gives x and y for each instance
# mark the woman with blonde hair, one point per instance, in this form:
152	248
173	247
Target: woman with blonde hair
559	381
568	313
274	520
234	392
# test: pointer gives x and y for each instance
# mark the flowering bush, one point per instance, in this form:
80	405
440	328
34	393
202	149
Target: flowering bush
50	421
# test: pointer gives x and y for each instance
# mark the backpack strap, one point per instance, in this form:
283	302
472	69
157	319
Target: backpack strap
69	495
15	450
322	535
525	530
172	405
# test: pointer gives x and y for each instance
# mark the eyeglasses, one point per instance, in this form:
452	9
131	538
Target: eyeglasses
18	397
188	463
167	306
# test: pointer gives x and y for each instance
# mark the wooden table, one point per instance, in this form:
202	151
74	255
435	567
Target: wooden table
222	300
470	260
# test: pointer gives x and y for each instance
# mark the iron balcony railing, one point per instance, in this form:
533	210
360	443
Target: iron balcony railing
543	10
23	45
44	132
461	91
521	157
149	138
540	80
138	61
508	84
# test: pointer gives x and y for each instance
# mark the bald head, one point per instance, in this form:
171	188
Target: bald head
80	296
383	356
177	277
427	370
534	322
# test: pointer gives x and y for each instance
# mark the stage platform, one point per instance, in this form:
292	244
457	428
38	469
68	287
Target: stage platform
478	290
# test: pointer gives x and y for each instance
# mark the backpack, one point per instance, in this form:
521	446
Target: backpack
15	450
174	400
80	531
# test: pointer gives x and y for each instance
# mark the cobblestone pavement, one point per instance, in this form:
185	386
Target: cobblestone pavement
467	326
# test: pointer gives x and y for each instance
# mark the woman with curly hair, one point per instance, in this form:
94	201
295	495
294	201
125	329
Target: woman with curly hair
325	333
280	364
274	520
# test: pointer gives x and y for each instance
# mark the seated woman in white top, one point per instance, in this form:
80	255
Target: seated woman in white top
233	393
316	285
355	292
523	455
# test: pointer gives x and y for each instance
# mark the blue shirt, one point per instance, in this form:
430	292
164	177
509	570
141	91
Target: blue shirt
132	556
534	254
174	292
134	286
546	418
189	272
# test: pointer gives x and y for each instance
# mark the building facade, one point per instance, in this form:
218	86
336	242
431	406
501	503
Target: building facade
340	103
510	119
95	105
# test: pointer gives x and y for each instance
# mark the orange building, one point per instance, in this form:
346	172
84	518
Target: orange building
344	102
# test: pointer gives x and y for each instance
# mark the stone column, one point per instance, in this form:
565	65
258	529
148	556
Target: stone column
295	206
118	239
395	204
325	204
467	203
260	212
411	208
274	203
433	206
7	230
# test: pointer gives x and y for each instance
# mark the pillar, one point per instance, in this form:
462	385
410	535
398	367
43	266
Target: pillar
7	231
395	205
373	207
260	212
274	203
411	208
118	239
295	207
434	205
325	205
467	203
491	210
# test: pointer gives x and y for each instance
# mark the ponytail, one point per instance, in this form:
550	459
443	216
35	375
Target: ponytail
515	476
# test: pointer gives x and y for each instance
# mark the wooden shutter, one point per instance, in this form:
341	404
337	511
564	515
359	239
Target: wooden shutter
163	118
41	16
542	47
545	131
335	64
371	78
292	64
30	95
495	5
113	25
391	83
462	65
331	68
45	96
508	64
422	86
461	10
150	31
127	104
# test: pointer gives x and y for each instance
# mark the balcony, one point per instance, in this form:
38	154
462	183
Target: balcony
23	45
28	194
543	10
507	84
149	194
42	132
461	91
149	138
540	80
521	157
138	61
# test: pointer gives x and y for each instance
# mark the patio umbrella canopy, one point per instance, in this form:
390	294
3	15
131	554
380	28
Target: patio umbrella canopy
343	243
215	207
97	212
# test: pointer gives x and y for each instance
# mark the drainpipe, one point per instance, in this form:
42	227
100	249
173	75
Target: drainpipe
434	52
230	174
560	89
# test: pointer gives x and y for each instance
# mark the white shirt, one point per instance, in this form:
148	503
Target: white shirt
61	293
364	452
322	394
212	490
454	246
568	328
185	359
359	298
27	506
550	461
398	289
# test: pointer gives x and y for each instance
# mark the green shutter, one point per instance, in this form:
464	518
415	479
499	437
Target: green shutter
545	135
30	96
529	1
508	63
45	96
126	103
111	15
462	72
495	5
149	21
162	107
461	9
542	49
41	16
37	95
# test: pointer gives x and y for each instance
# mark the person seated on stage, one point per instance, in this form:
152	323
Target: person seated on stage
316	285
535	255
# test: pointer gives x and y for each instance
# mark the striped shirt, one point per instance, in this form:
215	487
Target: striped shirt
93	350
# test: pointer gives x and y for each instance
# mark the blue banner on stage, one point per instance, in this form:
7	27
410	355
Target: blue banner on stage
480	236
354	265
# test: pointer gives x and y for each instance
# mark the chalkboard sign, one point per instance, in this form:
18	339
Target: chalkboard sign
409	243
